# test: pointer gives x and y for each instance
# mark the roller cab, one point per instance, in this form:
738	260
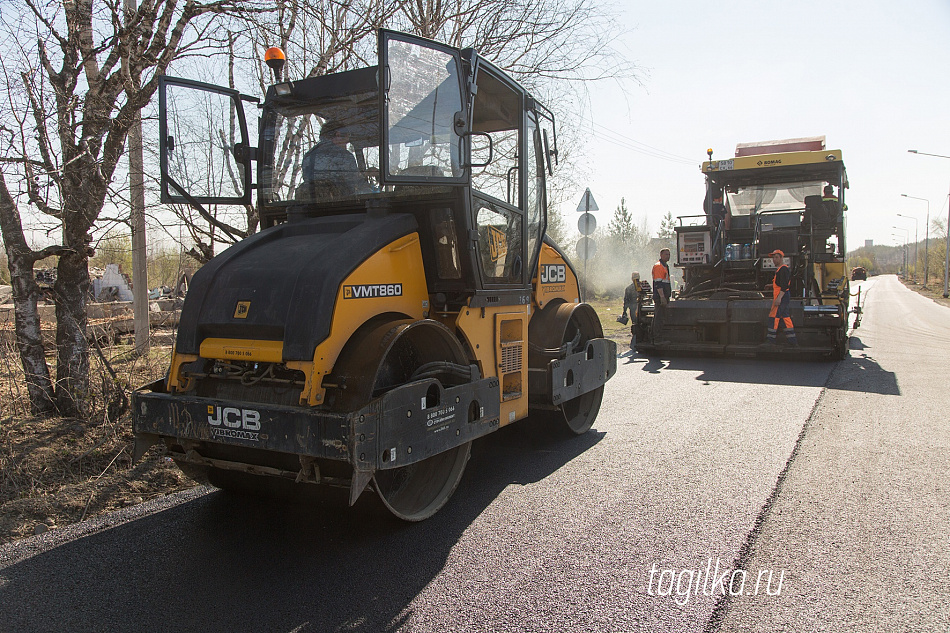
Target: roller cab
401	299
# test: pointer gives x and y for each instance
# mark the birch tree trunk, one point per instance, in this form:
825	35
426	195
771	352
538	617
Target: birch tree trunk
26	293
71	97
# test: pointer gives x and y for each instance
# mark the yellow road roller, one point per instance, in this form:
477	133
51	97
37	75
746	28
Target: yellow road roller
402	298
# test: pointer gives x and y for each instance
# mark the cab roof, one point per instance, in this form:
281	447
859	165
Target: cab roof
778	167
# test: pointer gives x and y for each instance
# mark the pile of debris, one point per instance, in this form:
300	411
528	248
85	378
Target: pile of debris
109	308
108	284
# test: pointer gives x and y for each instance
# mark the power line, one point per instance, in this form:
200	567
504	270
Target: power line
621	140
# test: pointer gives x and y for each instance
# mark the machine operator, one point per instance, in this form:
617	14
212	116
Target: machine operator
330	163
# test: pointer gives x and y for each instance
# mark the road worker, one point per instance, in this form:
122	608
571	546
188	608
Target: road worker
781	297
662	291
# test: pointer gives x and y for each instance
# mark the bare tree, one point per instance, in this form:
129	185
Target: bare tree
539	41
75	74
320	37
534	40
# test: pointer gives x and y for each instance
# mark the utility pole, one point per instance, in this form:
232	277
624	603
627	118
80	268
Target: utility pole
137	200
926	239
946	264
916	243
946	257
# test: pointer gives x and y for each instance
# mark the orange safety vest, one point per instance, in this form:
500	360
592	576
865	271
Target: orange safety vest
775	287
660	273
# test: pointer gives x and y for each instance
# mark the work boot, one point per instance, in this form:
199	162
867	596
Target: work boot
768	345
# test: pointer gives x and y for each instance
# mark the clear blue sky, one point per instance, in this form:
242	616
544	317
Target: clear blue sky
873	77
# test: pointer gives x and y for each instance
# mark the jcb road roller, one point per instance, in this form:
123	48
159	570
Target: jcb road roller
401	299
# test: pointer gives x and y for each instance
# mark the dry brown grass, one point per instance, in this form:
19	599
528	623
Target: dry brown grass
57	471
608	310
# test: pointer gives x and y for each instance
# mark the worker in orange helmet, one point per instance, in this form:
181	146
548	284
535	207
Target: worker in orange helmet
781	297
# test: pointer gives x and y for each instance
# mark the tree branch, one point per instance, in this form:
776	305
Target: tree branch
22	161
50	251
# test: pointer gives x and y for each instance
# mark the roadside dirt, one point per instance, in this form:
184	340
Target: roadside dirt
933	291
58	471
608	310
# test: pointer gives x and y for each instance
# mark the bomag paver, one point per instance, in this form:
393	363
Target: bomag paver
401	300
772	199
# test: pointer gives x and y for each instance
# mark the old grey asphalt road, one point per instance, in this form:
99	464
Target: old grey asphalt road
805	468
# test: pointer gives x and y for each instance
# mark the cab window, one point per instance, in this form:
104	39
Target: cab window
497	114
535	203
422	101
499	242
496	151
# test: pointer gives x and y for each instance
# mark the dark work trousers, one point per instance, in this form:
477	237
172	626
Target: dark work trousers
659	311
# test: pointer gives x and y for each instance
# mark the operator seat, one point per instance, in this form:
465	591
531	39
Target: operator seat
820	213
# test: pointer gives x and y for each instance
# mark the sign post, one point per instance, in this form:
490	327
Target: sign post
586	224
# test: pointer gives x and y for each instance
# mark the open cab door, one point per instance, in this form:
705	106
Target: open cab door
203	143
422	109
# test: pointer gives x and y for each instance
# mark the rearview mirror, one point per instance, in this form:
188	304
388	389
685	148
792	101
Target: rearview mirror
547	153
